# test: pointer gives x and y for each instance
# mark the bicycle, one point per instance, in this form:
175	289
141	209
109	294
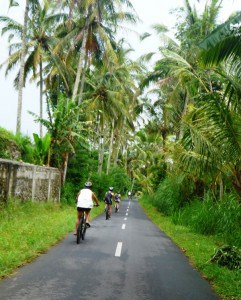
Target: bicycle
116	207
81	230
107	213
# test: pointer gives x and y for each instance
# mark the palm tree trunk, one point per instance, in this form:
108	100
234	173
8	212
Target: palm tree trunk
82	55
110	147
125	156
101	153
65	166
184	111
21	73
117	152
41	98
83	80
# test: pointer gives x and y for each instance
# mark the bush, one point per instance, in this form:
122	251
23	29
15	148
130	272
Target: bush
172	194
228	256
119	180
210	217
16	147
68	193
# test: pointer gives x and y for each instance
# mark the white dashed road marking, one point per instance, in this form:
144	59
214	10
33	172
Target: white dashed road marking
123	226
118	249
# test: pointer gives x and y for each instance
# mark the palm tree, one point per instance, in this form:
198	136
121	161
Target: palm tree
65	131
38	46
181	82
96	35
223	43
211	144
21	72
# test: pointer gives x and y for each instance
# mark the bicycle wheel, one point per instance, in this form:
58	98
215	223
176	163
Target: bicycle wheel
107	214
83	228
79	232
116	208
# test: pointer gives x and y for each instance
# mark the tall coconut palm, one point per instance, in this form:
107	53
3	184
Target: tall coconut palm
21	74
38	46
97	14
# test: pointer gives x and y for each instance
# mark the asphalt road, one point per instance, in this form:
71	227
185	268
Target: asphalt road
124	258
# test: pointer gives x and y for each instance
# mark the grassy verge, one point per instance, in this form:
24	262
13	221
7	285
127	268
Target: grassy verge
29	229
199	249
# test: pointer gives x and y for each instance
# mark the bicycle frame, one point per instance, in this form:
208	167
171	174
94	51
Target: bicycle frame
107	214
81	230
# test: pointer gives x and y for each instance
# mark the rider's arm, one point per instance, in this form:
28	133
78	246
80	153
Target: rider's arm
95	198
76	200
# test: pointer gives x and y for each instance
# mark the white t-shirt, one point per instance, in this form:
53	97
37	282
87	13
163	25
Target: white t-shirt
85	199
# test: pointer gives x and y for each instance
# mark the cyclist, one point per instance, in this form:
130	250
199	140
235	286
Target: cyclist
108	199
84	201
117	201
130	195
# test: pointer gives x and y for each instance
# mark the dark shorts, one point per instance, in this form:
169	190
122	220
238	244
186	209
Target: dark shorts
83	209
108	202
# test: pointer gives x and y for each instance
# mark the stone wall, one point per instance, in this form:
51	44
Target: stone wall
26	181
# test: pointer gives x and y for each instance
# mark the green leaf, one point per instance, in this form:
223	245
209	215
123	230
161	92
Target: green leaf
222	31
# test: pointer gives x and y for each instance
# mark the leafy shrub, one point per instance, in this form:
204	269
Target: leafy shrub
26	148
68	193
210	217
172	194
228	256
119	180
9	148
16	147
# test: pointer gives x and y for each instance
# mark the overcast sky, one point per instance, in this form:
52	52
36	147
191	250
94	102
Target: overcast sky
150	12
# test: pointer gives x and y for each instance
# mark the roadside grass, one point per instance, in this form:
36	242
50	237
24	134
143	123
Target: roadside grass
199	249
29	229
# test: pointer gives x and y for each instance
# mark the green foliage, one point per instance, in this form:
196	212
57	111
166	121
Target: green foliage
210	217
16	147
42	147
26	148
7	143
176	197
83	167
119	180
172	194
68	193
228	256
101	184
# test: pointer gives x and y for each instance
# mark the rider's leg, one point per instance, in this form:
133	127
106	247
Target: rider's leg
109	208
87	214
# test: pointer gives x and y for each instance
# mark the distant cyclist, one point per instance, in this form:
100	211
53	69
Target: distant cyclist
130	195
84	201
108	199
117	201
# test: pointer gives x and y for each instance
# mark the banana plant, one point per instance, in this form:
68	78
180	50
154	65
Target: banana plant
42	148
